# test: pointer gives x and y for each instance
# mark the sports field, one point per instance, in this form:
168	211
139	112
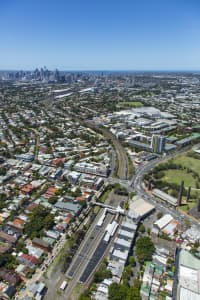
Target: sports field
132	104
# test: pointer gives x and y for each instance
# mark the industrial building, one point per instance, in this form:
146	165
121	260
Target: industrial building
165	197
162	222
139	209
188	276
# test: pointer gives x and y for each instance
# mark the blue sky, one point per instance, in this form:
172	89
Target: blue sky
100	34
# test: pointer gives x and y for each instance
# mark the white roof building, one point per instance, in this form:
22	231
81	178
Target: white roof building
188	295
164	221
141	207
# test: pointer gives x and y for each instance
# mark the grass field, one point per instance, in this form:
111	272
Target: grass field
188	162
105	194
176	176
186	206
133	104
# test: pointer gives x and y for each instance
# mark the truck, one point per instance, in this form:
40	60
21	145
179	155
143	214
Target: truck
63	285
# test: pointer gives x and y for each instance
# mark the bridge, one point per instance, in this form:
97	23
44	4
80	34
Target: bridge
112	209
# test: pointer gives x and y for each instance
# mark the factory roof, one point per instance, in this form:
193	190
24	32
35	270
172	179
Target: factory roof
188	295
164	196
189	260
141	207
162	222
189	272
189	278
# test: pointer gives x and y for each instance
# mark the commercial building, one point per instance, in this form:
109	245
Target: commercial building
92	168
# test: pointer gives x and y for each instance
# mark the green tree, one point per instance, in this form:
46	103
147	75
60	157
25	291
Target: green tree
142	228
53	200
117	291
40	219
144	249
131	260
159	215
126	205
102	273
133	293
83	297
48	221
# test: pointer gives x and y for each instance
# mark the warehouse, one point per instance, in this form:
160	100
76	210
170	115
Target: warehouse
141	208
164	221
188	275
165	197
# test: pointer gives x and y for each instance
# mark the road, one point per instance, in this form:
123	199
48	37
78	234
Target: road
138	186
37	142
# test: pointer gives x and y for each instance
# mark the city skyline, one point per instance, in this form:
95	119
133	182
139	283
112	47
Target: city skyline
91	36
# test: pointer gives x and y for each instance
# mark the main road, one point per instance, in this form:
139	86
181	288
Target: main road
138	186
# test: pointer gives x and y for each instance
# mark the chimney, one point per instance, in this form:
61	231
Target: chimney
198	206
149	185
180	193
188	194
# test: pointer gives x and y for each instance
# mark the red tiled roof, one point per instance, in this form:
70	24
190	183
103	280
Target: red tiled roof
30	258
67	220
18	222
57	161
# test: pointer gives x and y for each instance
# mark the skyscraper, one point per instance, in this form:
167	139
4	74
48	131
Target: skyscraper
158	143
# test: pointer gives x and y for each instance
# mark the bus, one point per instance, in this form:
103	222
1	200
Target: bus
63	285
